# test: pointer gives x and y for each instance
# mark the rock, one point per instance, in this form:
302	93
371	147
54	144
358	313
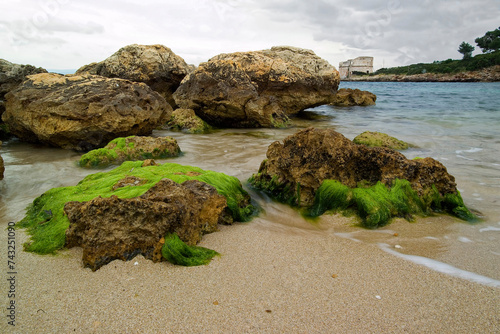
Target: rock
346	97
259	88
295	169
377	139
155	65
2	168
113	228
82	112
130	149
186	120
11	75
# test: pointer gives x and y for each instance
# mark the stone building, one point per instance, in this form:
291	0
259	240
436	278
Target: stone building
359	64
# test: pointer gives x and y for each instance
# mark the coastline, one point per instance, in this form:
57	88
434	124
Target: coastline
490	74
273	276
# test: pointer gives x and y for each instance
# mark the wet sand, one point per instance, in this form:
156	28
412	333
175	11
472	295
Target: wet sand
272	277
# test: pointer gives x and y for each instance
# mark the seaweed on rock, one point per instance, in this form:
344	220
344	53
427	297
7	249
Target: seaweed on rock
175	251
46	223
377	204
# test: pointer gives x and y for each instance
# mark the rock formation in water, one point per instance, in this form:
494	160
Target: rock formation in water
130	149
346	97
114	228
186	120
11	75
295	169
377	139
155	65
259	88
2	167
82	112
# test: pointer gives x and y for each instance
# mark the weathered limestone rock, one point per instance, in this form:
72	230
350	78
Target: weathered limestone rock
130	149
82	112
259	88
304	160
346	97
114	228
155	65
377	139
186	120
11	75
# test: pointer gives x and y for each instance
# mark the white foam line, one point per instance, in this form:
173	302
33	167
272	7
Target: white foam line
443	267
489	228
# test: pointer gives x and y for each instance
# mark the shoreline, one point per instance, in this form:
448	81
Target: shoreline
490	74
273	276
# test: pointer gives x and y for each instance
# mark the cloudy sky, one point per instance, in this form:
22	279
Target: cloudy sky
66	34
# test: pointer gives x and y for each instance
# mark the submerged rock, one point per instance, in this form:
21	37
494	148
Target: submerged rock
82	112
113	228
258	88
346	97
377	139
155	65
129	149
295	169
186	120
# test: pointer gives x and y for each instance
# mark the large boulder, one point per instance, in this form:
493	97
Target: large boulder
259	88
155	65
347	97
295	169
11	75
82	112
129	149
114	228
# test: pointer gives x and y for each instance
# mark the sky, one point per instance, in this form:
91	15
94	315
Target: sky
67	34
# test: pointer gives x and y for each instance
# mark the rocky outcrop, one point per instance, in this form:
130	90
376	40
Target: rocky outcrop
347	97
489	74
304	160
114	228
259	88
11	75
186	120
377	139
155	65
2	167
82	112
130	149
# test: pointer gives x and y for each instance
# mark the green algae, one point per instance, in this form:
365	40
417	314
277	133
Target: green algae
378	139
46	223
175	251
377	204
282	192
118	150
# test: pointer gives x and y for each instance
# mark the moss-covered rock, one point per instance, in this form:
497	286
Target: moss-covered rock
186	120
130	149
378	139
46	223
320	170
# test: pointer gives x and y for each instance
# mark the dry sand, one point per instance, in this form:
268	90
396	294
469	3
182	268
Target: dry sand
271	278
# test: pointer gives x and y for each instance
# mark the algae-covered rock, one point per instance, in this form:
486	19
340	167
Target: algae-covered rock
296	170
82	112
121	228
130	149
257	88
346	97
186	120
377	139
46	222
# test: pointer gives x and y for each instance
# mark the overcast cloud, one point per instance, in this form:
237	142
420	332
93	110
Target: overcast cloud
66	34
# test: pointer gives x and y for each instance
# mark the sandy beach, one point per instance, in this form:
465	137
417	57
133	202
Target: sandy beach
271	277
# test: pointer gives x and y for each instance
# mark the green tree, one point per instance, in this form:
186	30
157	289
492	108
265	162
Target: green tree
466	49
490	41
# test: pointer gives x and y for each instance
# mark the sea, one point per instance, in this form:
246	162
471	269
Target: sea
455	123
